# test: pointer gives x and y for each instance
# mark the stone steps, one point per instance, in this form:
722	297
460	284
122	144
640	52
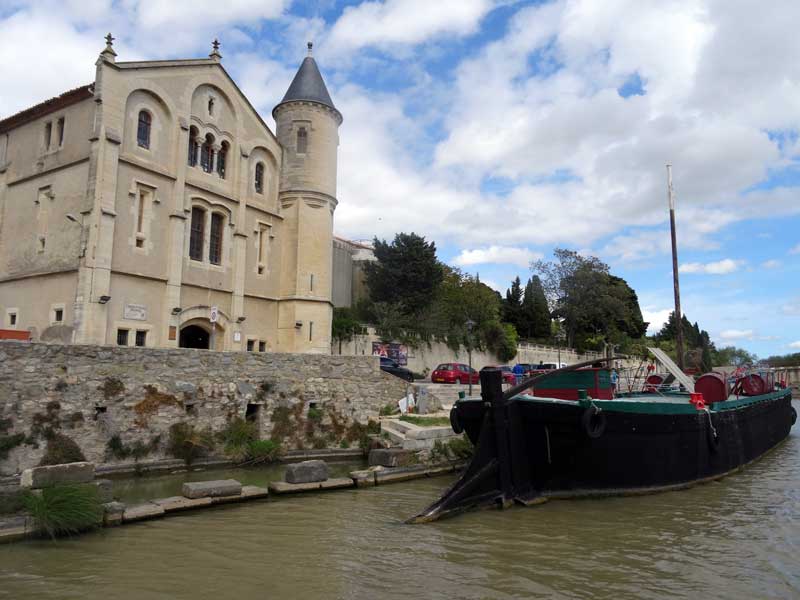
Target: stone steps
414	437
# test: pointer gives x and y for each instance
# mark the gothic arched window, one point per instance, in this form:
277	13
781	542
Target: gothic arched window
207	154
143	131
192	158
198	226
223	154
215	239
259	181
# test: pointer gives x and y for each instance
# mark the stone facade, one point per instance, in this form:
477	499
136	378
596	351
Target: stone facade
93	393
131	206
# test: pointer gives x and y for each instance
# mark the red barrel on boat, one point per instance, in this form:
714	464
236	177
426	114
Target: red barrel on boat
753	385
713	386
652	382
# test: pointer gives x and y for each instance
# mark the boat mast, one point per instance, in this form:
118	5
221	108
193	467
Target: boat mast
678	317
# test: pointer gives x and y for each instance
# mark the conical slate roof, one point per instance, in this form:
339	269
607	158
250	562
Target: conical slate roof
308	85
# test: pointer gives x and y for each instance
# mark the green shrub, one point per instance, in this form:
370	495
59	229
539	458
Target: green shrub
9	442
456	449
64	509
344	444
60	450
117	449
237	436
260	451
188	443
389	410
315	414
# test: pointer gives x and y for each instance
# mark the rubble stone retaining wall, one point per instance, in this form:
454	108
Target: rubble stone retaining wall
94	393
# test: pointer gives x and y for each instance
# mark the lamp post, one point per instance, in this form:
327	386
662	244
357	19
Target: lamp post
560	337
469	324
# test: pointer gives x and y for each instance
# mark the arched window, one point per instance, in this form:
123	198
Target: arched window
192	158
260	178
143	131
207	154
196	233
221	157
215	239
302	140
211	106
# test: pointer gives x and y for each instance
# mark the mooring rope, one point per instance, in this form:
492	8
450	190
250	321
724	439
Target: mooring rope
711	423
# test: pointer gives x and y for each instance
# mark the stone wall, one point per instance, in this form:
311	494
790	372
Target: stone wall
426	357
93	393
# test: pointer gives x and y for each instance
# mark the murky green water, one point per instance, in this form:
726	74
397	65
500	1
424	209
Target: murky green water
736	538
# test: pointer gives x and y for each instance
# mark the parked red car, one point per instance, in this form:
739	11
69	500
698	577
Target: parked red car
508	374
454	373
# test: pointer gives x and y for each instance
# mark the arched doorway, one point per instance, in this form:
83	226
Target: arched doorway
194	336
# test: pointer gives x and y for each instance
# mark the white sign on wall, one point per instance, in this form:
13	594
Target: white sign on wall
135	312
237	336
214	314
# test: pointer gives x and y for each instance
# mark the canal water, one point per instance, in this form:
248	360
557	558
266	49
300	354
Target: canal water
736	538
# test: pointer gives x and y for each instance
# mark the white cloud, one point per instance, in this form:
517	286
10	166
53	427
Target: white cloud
771	264
497	255
736	334
386	24
656	318
795	250
795	344
720	267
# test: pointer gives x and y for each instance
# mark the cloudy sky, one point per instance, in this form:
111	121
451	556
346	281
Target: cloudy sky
503	129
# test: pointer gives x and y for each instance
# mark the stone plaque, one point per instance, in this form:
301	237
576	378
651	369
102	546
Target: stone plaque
135	312
237	336
173	332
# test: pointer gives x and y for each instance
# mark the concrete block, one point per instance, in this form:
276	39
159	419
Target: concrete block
363	479
112	513
390	457
396	475
178	503
283	487
337	483
140	512
42	477
212	489
308	471
253	492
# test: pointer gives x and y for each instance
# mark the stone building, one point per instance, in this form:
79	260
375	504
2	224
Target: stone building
154	207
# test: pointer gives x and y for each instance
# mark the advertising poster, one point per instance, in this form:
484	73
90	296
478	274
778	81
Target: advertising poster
397	352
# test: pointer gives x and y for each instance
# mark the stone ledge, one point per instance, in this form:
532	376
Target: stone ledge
178	503
282	487
141	512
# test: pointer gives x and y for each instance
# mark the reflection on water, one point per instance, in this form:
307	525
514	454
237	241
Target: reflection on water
736	538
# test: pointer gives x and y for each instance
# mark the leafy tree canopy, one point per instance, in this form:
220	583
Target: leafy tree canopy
407	272
596	307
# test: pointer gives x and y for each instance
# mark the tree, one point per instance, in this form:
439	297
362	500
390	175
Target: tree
737	357
535	314
597	307
344	325
406	272
787	360
512	305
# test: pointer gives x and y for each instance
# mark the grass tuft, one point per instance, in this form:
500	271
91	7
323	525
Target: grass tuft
64	510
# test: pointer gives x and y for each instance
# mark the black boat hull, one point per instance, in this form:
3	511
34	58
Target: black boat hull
529	450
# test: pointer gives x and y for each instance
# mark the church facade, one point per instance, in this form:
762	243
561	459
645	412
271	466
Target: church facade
154	207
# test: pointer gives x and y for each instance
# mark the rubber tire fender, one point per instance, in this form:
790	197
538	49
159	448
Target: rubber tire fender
593	421
455	422
794	415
